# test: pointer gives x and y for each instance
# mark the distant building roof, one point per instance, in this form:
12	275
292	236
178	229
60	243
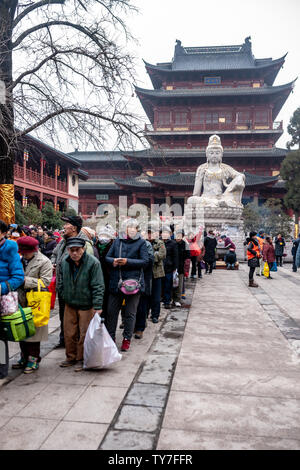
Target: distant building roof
97	156
216	58
178	179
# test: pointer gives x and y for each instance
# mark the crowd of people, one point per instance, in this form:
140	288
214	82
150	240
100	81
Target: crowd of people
265	254
107	273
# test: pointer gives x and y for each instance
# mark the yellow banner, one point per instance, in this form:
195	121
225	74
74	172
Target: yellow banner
7	203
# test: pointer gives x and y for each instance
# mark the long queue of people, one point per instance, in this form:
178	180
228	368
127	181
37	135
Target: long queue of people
101	273
106	273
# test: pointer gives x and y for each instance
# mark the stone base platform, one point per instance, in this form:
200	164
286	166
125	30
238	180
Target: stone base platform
222	265
227	220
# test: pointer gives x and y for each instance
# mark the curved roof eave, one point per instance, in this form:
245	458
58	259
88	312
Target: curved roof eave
182	92
254	67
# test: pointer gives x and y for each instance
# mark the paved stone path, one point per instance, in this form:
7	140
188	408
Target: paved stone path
237	379
223	375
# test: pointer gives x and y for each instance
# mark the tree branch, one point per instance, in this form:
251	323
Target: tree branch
82	29
76	111
34	7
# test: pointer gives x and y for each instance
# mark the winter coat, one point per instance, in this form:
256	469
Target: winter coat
39	267
135	250
85	289
295	246
210	244
229	243
160	254
279	246
298	257
171	260
60	252
148	269
49	247
11	268
100	252
269	253
183	254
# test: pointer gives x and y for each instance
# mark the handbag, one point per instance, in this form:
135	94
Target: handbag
40	303
194	249
18	326
9	302
129	286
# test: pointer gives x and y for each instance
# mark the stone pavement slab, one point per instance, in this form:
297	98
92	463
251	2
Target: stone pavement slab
173	439
233	414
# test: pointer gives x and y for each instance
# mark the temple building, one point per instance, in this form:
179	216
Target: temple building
220	90
42	173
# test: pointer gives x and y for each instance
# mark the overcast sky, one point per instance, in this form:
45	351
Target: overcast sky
272	24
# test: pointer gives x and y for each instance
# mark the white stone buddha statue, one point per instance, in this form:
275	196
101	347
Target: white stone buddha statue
217	184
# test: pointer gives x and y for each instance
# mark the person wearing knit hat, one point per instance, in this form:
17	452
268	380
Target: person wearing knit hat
27	245
36	266
253	255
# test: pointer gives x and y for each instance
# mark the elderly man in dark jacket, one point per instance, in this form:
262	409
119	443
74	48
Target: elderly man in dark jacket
72	228
128	257
81	285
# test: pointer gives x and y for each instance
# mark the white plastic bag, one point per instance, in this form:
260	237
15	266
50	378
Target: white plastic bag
99	349
175	279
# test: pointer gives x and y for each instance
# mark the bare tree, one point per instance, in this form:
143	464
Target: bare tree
65	69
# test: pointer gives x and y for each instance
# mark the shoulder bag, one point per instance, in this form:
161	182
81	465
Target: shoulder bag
129	286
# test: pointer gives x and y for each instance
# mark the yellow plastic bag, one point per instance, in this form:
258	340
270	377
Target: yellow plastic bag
40	303
266	270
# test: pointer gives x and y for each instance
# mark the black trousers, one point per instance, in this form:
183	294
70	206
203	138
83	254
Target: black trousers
279	260
196	265
115	302
30	348
251	273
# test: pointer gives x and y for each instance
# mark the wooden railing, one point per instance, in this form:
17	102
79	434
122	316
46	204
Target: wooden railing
35	177
277	125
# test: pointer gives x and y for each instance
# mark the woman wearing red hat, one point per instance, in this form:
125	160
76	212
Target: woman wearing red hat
36	266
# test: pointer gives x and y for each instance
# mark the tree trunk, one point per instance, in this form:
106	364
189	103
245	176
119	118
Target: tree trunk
7	213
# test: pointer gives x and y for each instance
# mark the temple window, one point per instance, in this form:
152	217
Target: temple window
197	117
164	118
261	117
180	118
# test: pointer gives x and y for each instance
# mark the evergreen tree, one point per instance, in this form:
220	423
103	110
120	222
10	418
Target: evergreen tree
19	216
294	129
290	173
50	218
32	214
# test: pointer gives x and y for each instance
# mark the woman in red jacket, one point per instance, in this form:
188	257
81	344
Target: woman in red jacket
269	254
